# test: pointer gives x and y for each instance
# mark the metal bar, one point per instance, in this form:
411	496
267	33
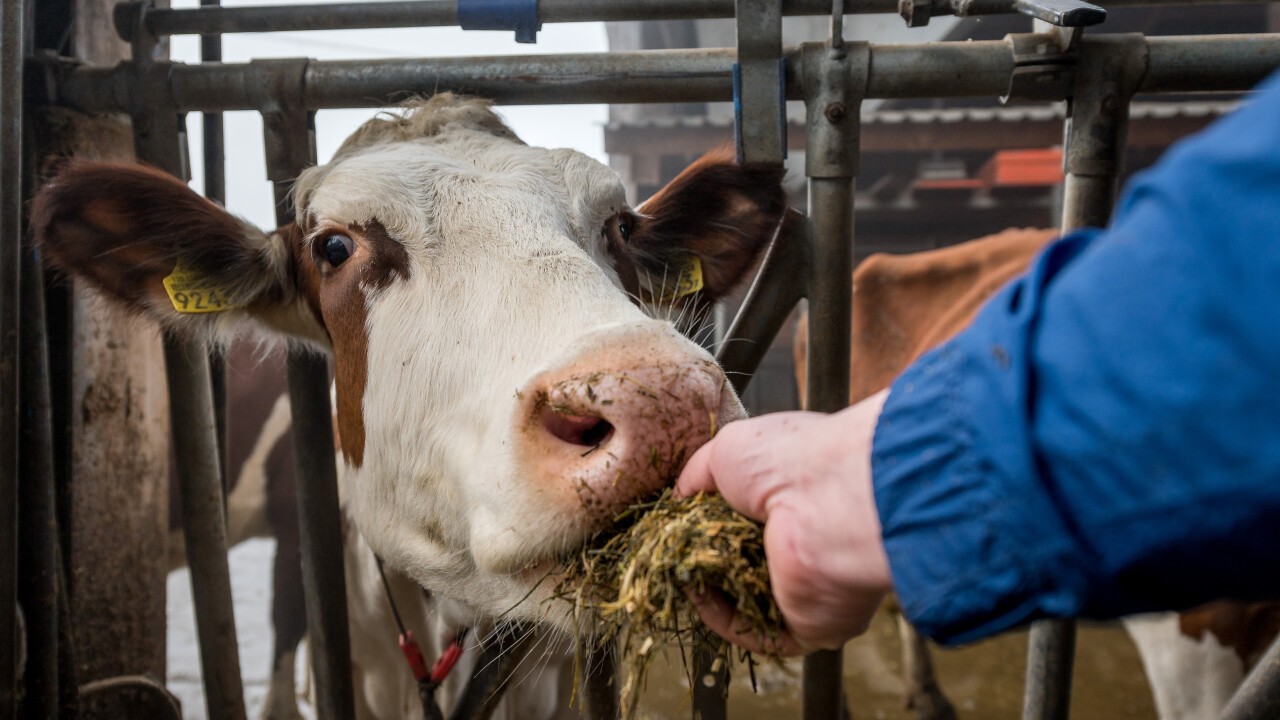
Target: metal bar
159	138
500	654
203	524
1111	69
1259	696
215	188
438	13
773	294
38	551
13	29
600	699
835	80
1051	651
289	140
957	69
321	533
760	83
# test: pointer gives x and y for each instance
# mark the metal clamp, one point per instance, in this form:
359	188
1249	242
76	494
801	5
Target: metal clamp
1042	68
518	15
1064	13
759	83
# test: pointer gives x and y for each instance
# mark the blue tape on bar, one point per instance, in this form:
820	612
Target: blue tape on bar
518	15
737	107
737	111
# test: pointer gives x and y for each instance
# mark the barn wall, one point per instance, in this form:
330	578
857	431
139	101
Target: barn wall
115	460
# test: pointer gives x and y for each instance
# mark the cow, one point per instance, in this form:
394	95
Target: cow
906	304
502	325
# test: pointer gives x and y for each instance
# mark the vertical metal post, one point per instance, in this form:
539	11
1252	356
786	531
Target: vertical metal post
204	524
38	561
835	79
12	29
1259	696
759	79
760	126
1109	72
159	139
289	136
215	188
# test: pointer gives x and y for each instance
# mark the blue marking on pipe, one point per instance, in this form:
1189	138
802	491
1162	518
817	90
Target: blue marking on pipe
518	15
737	111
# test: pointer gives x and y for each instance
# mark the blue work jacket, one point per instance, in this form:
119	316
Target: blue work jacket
1105	438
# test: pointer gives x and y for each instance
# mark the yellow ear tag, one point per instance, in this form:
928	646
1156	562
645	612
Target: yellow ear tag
191	292
688	282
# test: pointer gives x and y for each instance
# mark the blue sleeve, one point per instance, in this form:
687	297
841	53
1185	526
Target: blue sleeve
1104	439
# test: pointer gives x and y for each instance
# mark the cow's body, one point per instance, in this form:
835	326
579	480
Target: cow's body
501	392
906	304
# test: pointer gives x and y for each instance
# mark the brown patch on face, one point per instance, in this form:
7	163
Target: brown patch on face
388	260
1246	628
340	303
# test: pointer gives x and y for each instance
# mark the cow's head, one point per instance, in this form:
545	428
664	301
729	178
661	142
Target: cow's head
501	393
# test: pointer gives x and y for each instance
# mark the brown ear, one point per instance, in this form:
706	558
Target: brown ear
719	212
126	228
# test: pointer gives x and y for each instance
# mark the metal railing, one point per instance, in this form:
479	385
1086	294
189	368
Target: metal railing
810	260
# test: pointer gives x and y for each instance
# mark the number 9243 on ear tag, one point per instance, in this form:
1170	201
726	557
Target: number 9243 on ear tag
191	292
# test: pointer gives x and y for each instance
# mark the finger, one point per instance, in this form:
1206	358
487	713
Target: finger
697	476
720	617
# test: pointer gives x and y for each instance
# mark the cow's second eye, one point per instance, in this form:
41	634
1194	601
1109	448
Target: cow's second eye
337	248
620	226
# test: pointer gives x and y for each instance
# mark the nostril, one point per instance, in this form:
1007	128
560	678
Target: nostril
584	430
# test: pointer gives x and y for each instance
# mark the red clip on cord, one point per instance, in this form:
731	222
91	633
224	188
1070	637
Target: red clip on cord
447	660
418	665
413	656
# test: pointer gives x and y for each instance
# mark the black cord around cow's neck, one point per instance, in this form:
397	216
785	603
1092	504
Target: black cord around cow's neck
391	600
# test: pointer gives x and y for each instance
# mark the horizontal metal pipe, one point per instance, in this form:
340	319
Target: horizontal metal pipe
657	76
959	69
438	13
1220	63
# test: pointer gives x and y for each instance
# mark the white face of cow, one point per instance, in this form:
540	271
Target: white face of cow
500	394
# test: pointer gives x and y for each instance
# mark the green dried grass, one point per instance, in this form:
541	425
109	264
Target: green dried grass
633	581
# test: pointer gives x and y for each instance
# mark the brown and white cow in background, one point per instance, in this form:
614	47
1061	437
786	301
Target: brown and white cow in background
906	304
501	393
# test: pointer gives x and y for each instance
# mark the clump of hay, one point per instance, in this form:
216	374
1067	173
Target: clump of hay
633	580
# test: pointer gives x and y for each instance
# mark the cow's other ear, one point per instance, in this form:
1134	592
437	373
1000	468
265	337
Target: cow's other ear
718	212
148	241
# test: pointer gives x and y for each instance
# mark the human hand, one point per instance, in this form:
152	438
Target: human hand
807	477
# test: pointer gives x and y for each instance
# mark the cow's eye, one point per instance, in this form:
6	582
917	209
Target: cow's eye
337	248
620	226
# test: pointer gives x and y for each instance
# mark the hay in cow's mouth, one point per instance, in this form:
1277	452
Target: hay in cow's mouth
633	581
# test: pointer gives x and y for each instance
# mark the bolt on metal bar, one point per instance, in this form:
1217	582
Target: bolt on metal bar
13	29
438	13
289	140
835	80
1259	696
949	69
